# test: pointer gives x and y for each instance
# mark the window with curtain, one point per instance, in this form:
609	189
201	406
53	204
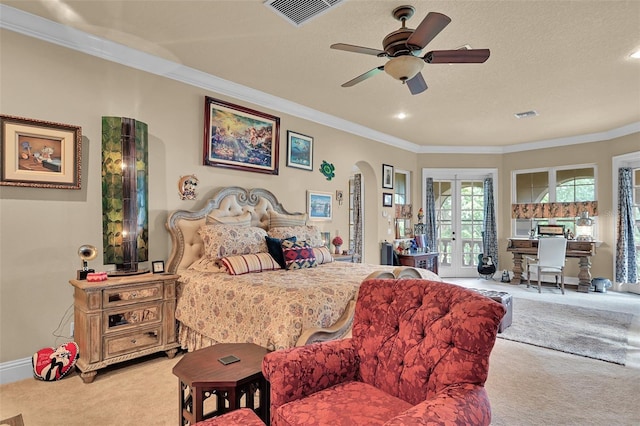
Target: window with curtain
553	195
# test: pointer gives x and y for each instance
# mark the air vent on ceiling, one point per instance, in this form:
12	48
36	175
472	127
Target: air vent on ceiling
299	12
526	114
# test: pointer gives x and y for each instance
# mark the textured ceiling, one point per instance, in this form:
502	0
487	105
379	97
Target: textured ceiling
568	60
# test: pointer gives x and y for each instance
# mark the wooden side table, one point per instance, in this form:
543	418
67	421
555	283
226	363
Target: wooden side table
201	376
353	258
123	318
427	261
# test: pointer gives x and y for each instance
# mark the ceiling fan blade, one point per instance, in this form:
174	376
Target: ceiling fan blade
459	56
358	49
430	27
417	84
364	76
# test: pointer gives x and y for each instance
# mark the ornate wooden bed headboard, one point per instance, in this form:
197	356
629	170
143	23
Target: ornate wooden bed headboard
233	201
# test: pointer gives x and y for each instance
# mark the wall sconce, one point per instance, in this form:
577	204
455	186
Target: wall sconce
339	197
584	227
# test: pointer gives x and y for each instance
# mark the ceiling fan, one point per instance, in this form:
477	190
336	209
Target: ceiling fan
404	47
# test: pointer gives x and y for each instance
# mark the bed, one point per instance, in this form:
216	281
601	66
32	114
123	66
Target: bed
234	288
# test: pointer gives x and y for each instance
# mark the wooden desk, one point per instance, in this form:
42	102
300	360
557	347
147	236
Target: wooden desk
427	261
582	250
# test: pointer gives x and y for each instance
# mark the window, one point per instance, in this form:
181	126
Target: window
553	185
402	189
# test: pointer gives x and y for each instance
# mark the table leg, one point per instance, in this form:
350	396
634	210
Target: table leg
517	268
197	394
584	276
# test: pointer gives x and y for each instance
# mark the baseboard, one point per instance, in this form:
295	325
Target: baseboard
13	371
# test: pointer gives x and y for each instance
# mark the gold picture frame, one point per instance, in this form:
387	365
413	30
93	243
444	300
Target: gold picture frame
40	154
240	138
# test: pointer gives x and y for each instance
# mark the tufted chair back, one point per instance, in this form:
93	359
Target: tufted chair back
414	337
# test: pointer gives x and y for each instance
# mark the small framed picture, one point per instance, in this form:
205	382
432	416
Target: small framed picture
387	199
319	205
387	176
157	267
299	151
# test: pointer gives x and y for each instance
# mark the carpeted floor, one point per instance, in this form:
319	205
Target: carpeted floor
593	333
527	384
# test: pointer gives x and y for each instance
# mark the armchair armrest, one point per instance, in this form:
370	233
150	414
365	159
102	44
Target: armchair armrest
457	404
297	372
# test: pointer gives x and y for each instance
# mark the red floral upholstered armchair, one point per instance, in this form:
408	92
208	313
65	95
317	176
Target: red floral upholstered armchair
419	355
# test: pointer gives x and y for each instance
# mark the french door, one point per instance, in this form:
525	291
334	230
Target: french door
459	209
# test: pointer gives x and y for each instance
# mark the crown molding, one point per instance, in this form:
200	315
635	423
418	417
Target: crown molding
43	29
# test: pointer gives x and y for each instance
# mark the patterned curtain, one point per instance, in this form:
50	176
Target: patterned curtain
430	228
357	215
626	270
490	234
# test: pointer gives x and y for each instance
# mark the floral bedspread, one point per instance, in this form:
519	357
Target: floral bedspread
270	308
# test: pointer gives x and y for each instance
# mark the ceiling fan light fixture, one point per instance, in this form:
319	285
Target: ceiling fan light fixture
404	67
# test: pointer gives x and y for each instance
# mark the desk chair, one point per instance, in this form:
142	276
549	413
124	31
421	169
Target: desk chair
550	260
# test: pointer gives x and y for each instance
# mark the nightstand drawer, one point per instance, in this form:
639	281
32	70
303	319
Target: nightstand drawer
140	293
137	340
139	315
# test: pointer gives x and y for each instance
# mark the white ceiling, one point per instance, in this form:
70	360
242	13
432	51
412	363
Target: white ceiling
568	60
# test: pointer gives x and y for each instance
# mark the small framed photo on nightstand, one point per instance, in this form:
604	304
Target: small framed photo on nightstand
157	267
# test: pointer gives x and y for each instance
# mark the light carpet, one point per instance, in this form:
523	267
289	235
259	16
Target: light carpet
593	333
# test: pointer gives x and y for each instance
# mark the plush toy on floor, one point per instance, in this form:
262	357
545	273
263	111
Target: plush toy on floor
51	364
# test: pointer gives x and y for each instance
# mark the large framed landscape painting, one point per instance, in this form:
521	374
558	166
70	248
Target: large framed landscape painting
40	154
240	138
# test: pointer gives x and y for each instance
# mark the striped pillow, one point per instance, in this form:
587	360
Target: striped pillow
245	263
277	220
323	255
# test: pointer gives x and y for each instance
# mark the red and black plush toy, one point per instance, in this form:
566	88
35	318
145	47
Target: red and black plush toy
51	364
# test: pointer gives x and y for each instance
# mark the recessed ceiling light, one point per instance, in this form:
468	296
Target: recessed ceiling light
526	114
635	55
401	116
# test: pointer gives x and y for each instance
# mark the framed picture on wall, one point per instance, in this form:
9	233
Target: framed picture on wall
387	199
240	138
40	154
387	176
299	151
319	205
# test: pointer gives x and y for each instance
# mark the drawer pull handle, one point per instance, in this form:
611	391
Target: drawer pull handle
133	341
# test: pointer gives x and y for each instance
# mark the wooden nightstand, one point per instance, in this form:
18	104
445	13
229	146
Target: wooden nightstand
353	258
427	261
123	318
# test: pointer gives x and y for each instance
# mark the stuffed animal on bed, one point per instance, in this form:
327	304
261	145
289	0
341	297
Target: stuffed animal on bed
51	364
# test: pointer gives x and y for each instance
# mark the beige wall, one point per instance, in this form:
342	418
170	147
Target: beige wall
599	154
41	229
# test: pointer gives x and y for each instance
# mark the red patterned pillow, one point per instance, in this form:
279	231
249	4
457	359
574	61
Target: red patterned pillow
298	255
52	364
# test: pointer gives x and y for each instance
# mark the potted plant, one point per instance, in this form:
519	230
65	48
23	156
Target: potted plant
337	242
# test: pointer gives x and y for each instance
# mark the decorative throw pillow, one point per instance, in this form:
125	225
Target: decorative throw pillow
274	245
310	234
278	220
243	220
298	255
227	240
245	263
322	255
52	364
